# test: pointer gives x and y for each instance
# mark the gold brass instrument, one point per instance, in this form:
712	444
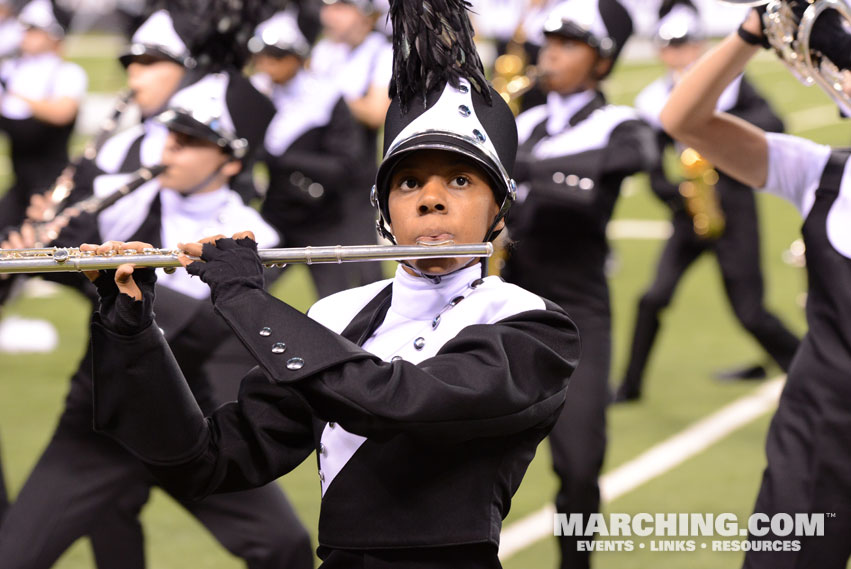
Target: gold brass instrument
701	199
790	35
54	260
513	75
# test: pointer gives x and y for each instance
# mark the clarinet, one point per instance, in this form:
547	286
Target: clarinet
64	184
46	231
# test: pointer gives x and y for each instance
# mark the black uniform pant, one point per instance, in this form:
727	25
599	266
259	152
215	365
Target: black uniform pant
83	480
738	257
809	464
578	440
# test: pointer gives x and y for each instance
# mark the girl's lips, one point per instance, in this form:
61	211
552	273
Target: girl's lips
434	240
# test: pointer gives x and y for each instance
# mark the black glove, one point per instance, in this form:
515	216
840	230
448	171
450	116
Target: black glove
120	312
231	268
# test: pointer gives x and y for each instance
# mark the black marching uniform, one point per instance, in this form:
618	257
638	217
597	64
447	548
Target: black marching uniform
737	249
809	458
315	152
418	457
571	173
82	474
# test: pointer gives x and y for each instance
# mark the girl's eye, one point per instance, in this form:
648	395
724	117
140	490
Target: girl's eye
408	183
462	181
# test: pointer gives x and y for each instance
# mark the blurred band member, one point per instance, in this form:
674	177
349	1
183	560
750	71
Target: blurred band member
359	60
809	459
40	97
680	39
83	474
575	151
313	147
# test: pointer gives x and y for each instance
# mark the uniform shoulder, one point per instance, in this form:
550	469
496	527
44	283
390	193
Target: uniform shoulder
336	311
111	155
505	300
529	119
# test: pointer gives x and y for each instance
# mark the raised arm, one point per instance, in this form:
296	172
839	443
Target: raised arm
733	145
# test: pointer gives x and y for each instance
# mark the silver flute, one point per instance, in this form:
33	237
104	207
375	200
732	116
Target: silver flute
58	260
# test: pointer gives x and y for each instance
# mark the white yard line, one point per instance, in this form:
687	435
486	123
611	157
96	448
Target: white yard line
654	462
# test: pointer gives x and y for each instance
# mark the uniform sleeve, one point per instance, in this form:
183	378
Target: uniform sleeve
334	164
142	400
71	81
490	380
632	148
795	166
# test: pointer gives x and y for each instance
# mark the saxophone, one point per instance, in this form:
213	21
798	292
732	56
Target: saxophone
701	199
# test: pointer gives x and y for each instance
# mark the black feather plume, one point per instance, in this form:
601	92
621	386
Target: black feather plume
433	45
217	31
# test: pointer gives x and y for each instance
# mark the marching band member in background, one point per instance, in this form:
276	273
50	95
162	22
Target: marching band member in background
82	473
575	152
40	96
680	38
359	60
426	394
312	148
809	459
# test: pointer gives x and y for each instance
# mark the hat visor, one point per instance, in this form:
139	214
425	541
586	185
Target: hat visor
139	50
445	142
183	123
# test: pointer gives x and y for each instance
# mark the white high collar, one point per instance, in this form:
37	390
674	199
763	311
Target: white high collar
562	108
418	298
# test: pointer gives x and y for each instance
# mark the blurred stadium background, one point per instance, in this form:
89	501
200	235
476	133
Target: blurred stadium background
699	336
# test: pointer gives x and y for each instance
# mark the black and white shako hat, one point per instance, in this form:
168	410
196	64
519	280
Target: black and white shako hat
44	15
157	37
605	25
440	100
223	108
280	35
679	23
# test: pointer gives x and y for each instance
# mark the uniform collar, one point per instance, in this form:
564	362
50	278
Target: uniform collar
418	298
570	110
194	206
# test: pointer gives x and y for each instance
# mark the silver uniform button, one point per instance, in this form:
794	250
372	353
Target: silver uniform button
295	363
396	359
419	343
464	110
558	177
322	477
586	184
323	450
266	331
331	425
571	180
278	347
